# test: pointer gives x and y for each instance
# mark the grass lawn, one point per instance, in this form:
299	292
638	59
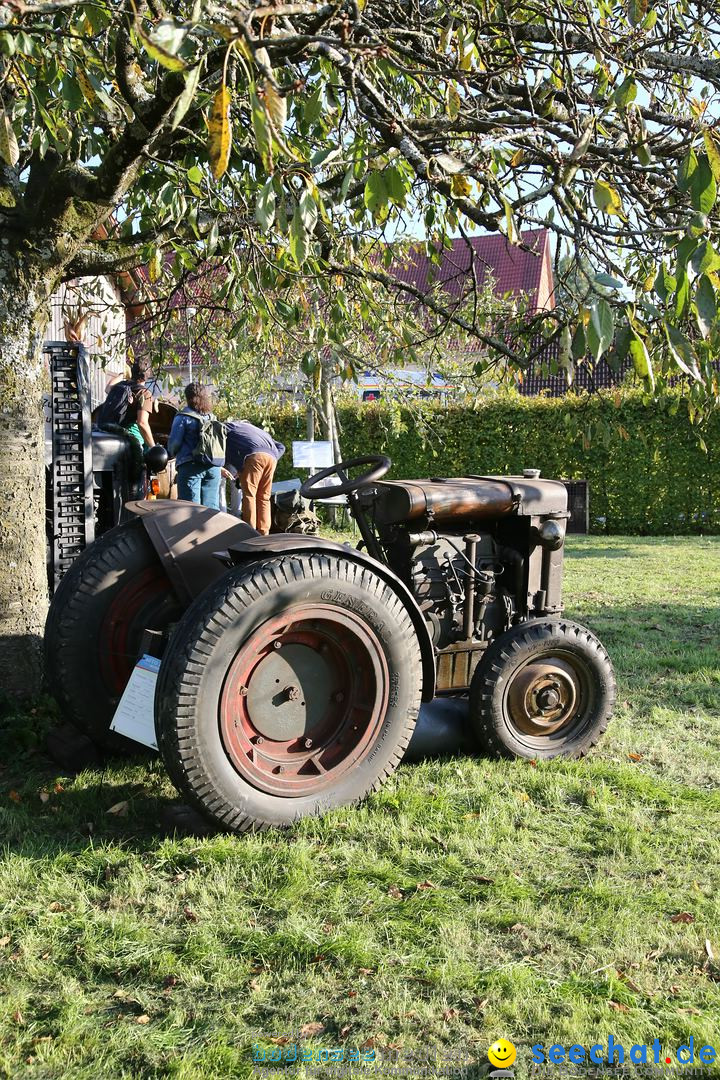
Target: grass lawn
466	901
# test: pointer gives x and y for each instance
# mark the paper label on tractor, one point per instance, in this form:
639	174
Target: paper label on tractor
135	715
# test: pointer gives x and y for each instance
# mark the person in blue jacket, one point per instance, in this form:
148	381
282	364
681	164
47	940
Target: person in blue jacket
195	481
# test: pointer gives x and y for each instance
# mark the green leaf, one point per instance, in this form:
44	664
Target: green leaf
601	328
703	188
265	206
606	198
192	79
610	282
298	238
637	10
705	258
578	346
626	92
376	194
308	209
641	359
682	352
395	185
682	295
260	128
686	171
705	306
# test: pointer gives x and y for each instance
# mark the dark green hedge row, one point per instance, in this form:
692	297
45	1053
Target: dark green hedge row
647	472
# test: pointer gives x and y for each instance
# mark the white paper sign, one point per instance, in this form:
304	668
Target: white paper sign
312	455
135	715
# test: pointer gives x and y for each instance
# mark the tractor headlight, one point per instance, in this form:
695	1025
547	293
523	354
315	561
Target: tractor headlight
552	534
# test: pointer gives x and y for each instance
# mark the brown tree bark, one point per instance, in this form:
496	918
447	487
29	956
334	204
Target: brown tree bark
23	579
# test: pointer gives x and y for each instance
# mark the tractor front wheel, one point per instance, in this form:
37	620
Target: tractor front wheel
544	689
290	688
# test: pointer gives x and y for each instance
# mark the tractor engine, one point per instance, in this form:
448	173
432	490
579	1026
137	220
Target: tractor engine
444	570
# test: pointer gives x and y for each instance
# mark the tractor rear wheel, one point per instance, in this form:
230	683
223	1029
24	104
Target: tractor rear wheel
289	688
114	591
544	689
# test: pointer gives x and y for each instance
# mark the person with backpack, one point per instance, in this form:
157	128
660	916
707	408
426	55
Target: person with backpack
128	405
197	442
253	455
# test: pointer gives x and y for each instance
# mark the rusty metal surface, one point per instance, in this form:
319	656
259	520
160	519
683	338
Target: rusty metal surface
185	537
456	499
456	666
532	496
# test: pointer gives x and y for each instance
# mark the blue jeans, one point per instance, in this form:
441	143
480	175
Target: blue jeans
199	483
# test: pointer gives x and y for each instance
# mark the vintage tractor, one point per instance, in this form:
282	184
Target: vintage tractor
293	668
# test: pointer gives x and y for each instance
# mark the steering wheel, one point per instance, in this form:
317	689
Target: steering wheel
311	488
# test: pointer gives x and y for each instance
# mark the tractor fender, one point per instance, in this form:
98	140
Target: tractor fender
186	537
256	546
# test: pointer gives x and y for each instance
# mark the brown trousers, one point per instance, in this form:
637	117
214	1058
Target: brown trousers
256	480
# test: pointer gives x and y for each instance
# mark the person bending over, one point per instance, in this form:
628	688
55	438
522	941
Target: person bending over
253	455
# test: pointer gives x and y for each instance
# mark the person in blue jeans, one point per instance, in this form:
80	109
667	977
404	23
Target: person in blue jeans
196	482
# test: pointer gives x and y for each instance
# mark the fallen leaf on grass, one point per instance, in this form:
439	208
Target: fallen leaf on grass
190	914
682	917
345	1031
618	1006
519	928
690	1011
425	885
708	949
169	981
44	796
18	1017
55	906
280	1040
395	893
352	993
450	1014
120	809
254	985
58	788
313	1028
484	880
144	1019
366	971
635	757
15	796
4	941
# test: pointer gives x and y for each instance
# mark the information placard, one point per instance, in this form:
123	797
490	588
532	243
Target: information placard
135	715
312	455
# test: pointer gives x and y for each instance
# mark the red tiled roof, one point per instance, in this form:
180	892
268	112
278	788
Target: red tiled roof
512	269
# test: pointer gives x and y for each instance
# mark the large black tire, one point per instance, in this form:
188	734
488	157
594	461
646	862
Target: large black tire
289	688
114	591
544	689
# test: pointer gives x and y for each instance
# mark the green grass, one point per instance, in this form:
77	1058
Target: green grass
549	916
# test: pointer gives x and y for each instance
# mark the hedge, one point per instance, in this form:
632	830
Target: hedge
647	471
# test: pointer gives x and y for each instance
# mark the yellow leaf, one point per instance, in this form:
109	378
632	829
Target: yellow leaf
85	85
9	150
220	132
276	106
517	157
155	266
713	154
460	186
156	51
454	102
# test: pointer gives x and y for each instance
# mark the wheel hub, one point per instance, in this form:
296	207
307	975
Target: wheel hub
288	693
544	696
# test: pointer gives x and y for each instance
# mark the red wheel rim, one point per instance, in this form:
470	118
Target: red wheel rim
303	700
147	601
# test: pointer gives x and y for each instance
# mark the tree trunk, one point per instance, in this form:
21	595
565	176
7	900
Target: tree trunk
23	577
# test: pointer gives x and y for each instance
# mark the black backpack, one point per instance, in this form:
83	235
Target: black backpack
120	406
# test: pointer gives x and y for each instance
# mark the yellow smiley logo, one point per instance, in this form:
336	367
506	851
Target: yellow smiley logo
502	1053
